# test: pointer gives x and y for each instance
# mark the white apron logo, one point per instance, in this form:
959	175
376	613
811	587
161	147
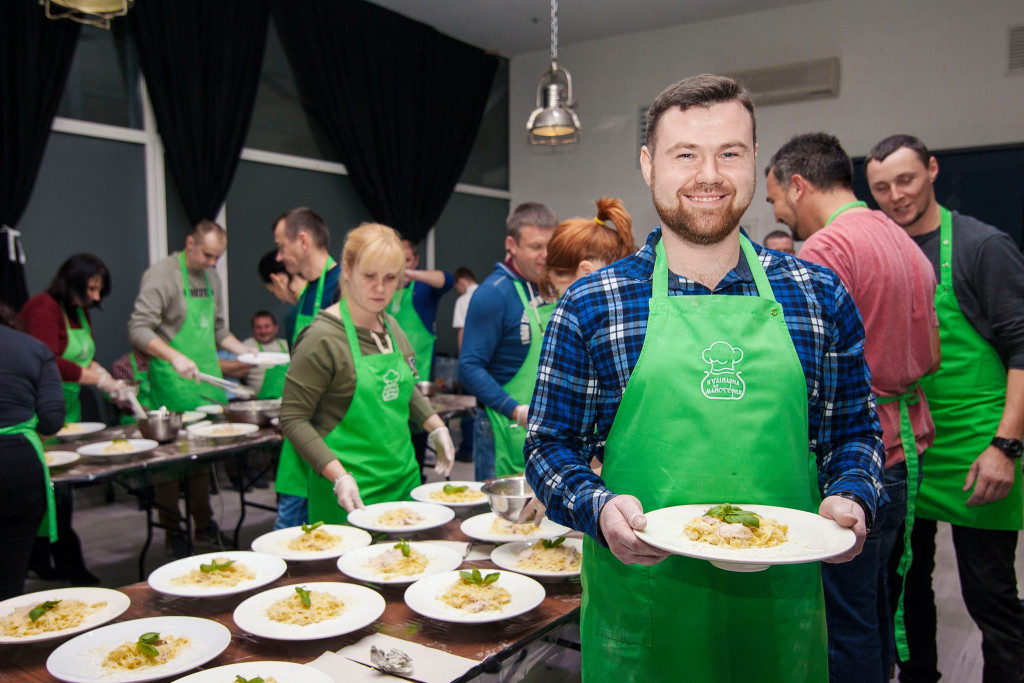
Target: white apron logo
390	392
723	381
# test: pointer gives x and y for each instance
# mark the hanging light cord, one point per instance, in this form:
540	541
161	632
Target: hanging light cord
554	33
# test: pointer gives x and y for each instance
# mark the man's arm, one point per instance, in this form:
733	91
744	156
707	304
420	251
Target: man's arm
436	279
993	471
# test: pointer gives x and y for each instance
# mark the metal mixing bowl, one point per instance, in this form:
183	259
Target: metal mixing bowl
428	389
508	496
160	426
259	413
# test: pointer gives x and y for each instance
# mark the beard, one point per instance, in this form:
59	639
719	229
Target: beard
698	226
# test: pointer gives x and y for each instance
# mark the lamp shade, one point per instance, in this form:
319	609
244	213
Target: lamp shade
554	121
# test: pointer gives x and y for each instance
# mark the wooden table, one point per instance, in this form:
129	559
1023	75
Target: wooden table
489	644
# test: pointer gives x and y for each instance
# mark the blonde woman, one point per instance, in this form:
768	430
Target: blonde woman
350	390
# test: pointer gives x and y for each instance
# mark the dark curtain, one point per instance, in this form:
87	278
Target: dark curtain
201	60
401	102
35	57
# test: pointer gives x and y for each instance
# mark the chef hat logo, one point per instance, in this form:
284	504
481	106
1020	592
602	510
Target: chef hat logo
722	357
390	378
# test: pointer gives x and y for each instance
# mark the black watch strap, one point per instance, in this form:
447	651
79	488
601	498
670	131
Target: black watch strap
1012	447
863	506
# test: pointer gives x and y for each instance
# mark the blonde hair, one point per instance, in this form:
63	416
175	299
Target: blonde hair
371	245
606	238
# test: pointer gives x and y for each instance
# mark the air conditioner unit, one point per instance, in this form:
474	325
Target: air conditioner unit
793	82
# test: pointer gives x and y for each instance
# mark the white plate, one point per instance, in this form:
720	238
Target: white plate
506	556
95	451
266	359
434	516
117	603
276	543
422	597
82	430
211	409
362	607
267	567
61	458
284	672
80	660
192	416
209	431
439	559
479	527
811	537
423	491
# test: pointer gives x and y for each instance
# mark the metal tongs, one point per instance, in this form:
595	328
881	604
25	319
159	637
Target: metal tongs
131	393
237	389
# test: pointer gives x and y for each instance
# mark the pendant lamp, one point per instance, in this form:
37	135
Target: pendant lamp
90	12
554	121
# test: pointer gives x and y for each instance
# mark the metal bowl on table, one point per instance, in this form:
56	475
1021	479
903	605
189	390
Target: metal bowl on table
428	389
259	413
161	425
508	496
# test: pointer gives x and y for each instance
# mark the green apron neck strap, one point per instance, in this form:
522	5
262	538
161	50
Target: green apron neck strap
184	278
531	310
350	330
845	207
83	322
945	247
660	277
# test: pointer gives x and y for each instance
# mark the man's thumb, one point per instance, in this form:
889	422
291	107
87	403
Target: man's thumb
633	512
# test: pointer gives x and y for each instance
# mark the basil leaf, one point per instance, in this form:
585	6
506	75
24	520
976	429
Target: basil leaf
42	608
150	637
306	528
743	517
553	544
403	545
240	679
303	595
491	578
214	566
148	650
451	488
466	576
472	577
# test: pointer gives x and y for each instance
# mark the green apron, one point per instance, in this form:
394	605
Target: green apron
81	349
703	421
197	340
273	378
372	441
966	398
509	435
145	395
48	527
421	339
292	478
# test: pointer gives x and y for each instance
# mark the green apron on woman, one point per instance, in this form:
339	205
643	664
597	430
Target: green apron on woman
509	435
48	527
372	441
420	338
81	350
714	412
292	478
197	340
273	378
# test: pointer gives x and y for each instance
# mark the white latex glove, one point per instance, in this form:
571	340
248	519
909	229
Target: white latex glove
186	368
441	440
533	512
347	492
110	386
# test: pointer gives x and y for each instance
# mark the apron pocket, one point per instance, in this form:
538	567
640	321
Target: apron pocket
618	599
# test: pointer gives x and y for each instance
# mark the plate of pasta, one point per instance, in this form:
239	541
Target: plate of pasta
548	559
455	494
309	611
491	528
223	431
224	572
398	563
139	650
58	612
73	431
60	458
401	517
268	672
117	450
309	542
475	596
745	537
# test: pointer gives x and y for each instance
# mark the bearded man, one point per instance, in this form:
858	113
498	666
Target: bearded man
704	369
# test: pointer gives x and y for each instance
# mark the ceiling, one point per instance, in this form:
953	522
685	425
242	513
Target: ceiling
516	27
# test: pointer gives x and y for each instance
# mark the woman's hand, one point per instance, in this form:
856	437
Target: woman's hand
441	440
347	492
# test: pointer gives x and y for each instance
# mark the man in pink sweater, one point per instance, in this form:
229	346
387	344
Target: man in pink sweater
810	188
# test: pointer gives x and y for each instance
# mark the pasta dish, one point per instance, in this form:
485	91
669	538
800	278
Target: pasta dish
149	650
219	573
402	560
258	679
305	608
728	526
71	428
507	528
550	557
314	541
119	446
475	593
456	494
225	430
400	517
46	617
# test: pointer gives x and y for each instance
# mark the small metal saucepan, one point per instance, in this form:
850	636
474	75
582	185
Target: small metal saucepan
508	496
160	425
259	413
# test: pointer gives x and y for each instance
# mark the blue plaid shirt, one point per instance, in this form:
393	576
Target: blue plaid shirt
593	343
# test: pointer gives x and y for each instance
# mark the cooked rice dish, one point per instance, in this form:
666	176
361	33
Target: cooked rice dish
290	610
66	614
561	558
392	562
507	528
314	541
128	657
400	517
474	598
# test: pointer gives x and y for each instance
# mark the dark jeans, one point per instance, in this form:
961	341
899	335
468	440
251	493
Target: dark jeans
68	561
988	585
483	448
22	507
860	640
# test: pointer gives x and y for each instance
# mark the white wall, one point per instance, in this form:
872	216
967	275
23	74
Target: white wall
933	68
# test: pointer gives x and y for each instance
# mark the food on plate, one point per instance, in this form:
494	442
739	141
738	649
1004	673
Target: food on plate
400	560
507	528
456	494
474	593
225	430
119	446
729	526
71	428
313	539
550	556
400	517
46	617
305	608
257	679
220	572
149	650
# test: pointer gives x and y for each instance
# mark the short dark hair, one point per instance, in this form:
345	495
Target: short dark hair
818	157
71	283
529	213
8	317
205	227
776	234
269	265
305	219
262	314
464	272
894	142
702	90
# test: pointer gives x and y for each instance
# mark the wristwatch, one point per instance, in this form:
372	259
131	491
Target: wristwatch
1011	447
863	506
